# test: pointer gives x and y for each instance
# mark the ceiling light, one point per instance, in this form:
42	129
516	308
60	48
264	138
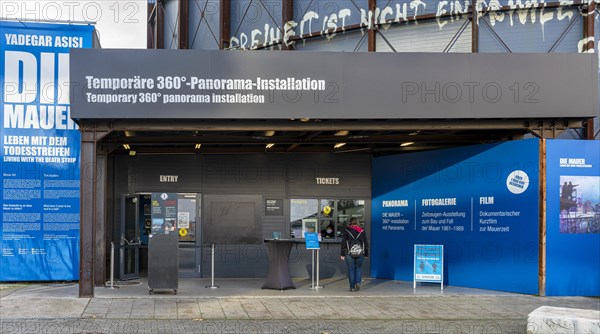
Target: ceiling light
338	145
132	153
269	133
269	145
304	119
126	146
408	143
342	133
198	146
414	133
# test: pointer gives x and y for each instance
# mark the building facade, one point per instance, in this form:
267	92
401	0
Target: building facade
298	142
243	141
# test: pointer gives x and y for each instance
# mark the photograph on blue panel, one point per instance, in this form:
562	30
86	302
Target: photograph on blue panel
579	204
158	225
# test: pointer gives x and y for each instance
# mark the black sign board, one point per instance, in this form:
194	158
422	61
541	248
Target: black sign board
274	207
194	84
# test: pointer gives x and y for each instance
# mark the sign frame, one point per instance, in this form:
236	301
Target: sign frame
421	254
312	240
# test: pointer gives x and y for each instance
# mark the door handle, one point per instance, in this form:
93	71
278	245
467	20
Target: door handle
125	242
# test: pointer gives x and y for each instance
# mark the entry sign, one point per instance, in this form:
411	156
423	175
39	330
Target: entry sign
312	240
429	264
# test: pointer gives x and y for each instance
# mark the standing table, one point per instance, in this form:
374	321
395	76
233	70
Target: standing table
279	273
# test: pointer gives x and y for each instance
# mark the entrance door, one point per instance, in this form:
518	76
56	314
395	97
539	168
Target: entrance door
129	245
190	240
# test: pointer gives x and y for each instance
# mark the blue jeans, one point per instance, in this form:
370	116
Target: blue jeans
354	270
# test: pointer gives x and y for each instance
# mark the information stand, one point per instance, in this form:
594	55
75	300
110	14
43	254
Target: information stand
429	265
312	243
163	245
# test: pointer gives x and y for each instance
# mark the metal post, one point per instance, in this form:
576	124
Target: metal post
312	285
212	269
318	271
312	277
112	264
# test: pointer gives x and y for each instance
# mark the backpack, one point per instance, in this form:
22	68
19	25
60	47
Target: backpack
356	248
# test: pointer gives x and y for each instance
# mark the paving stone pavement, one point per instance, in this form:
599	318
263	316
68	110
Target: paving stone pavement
56	310
394	314
64	326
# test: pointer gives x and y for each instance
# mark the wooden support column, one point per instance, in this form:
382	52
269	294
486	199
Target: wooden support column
150	27
184	24
100	220
474	27
160	25
588	31
589	129
542	221
287	15
87	205
224	24
88	210
588	27
372	47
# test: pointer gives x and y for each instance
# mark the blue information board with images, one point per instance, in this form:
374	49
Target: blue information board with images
480	202
573	218
429	264
40	152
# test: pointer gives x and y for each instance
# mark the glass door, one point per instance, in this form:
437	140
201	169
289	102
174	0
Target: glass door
189	226
129	245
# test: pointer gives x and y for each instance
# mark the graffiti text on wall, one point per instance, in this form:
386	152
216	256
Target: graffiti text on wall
444	11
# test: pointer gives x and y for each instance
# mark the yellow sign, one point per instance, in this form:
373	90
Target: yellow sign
183	232
327	210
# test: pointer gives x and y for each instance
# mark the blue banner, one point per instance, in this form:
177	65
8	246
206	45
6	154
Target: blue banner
573	218
479	202
40	151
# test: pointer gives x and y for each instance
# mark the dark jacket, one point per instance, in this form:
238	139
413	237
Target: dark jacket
348	234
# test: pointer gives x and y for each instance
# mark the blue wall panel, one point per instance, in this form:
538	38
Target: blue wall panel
480	202
573	218
39	227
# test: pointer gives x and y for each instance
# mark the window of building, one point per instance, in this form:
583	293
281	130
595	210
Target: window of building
326	216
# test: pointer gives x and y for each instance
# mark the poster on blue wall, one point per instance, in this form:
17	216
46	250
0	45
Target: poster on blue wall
573	218
40	151
479	202
429	264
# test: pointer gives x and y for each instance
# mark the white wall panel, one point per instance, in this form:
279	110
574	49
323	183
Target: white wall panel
425	36
531	31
